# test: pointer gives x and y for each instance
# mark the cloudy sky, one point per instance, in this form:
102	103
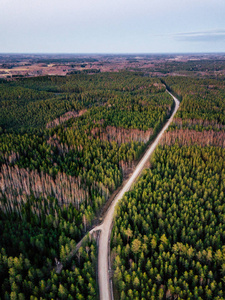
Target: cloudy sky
118	26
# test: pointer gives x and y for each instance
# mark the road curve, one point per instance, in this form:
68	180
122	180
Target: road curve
106	226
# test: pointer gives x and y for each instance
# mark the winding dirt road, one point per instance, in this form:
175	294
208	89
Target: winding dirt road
106	226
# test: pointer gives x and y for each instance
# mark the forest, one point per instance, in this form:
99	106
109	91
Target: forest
168	236
66	144
202	105
201	118
30	103
191	67
33	239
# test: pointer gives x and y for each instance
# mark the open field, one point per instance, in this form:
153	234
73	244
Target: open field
19	65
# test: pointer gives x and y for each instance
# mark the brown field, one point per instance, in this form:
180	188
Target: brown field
156	65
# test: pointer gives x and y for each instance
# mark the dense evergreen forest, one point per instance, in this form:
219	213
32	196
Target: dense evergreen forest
168	238
33	241
201	116
202	105
190	67
168	235
32	102
66	144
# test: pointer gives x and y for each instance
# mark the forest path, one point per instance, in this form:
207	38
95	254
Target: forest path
106	226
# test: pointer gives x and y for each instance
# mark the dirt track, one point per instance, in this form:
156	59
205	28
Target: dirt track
106	225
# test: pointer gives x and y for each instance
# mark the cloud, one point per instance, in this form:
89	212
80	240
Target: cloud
201	36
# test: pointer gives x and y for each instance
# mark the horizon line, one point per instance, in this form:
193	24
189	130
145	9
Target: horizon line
109	53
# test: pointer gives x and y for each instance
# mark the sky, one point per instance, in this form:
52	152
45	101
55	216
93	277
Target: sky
118	26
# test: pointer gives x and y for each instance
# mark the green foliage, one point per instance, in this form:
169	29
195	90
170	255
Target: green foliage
30	243
202	102
190	67
176	215
73	147
40	226
94	150
31	103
